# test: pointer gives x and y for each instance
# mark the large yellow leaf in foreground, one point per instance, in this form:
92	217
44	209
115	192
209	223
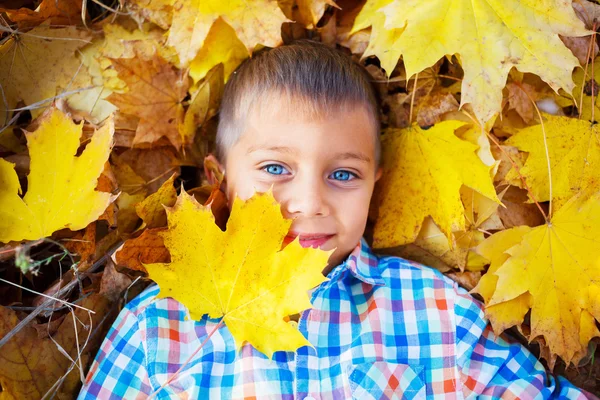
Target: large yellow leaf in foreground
255	22
557	268
490	37
240	274
423	173
574	151
60	186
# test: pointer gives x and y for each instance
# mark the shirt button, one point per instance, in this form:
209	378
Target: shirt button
294	325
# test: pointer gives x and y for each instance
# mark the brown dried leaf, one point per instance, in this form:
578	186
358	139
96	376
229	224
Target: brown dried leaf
434	106
154	165
113	283
56	12
155	95
30	366
148	248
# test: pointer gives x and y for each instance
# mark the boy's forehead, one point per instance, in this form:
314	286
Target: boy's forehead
348	131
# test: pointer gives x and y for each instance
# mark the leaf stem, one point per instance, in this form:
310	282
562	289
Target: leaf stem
153	395
412	99
513	163
544	136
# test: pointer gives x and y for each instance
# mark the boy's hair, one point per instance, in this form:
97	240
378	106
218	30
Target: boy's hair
321	79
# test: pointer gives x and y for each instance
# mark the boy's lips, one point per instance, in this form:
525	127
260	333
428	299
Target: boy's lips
308	239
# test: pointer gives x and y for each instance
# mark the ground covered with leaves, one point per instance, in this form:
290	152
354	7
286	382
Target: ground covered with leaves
491	156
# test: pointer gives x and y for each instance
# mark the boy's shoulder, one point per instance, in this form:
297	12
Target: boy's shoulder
147	304
394	271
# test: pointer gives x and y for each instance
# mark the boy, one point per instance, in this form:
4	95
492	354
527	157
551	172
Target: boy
303	119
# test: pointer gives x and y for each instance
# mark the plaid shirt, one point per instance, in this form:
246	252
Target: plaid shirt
382	328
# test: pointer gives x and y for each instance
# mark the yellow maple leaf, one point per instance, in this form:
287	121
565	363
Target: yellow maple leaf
151	209
574	151
554	269
204	104
423	173
490	37
432	248
240	274
60	186
155	94
158	11
220	46
255	22
40	65
511	312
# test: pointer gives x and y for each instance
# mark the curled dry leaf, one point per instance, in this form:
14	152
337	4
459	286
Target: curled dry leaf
435	105
56	12
113	283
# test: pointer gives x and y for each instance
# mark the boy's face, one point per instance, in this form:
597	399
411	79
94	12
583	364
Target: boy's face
322	172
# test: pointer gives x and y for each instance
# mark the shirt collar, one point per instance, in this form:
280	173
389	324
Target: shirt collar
363	264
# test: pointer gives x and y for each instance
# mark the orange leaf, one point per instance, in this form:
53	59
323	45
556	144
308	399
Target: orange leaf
156	90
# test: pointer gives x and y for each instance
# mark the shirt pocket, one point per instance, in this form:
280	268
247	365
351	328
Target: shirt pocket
381	380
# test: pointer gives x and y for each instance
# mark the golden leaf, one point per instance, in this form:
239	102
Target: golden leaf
240	274
40	65
220	46
490	37
60	186
556	267
574	151
255	22
423	173
151	209
432	248
204	104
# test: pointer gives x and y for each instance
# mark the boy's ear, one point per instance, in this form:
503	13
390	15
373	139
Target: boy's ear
213	170
378	173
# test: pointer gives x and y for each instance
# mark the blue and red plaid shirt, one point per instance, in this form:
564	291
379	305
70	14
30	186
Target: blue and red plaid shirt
382	328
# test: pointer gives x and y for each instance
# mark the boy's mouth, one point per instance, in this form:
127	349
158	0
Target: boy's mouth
314	240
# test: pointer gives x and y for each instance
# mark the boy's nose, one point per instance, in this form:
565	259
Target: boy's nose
306	199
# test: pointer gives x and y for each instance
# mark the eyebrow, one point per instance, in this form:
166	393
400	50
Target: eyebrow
349	155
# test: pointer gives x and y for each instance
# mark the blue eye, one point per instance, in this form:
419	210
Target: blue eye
275	169
342	175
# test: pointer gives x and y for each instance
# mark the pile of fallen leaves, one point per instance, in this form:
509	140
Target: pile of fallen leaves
491	158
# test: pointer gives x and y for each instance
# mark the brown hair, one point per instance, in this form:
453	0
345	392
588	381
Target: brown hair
323	80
